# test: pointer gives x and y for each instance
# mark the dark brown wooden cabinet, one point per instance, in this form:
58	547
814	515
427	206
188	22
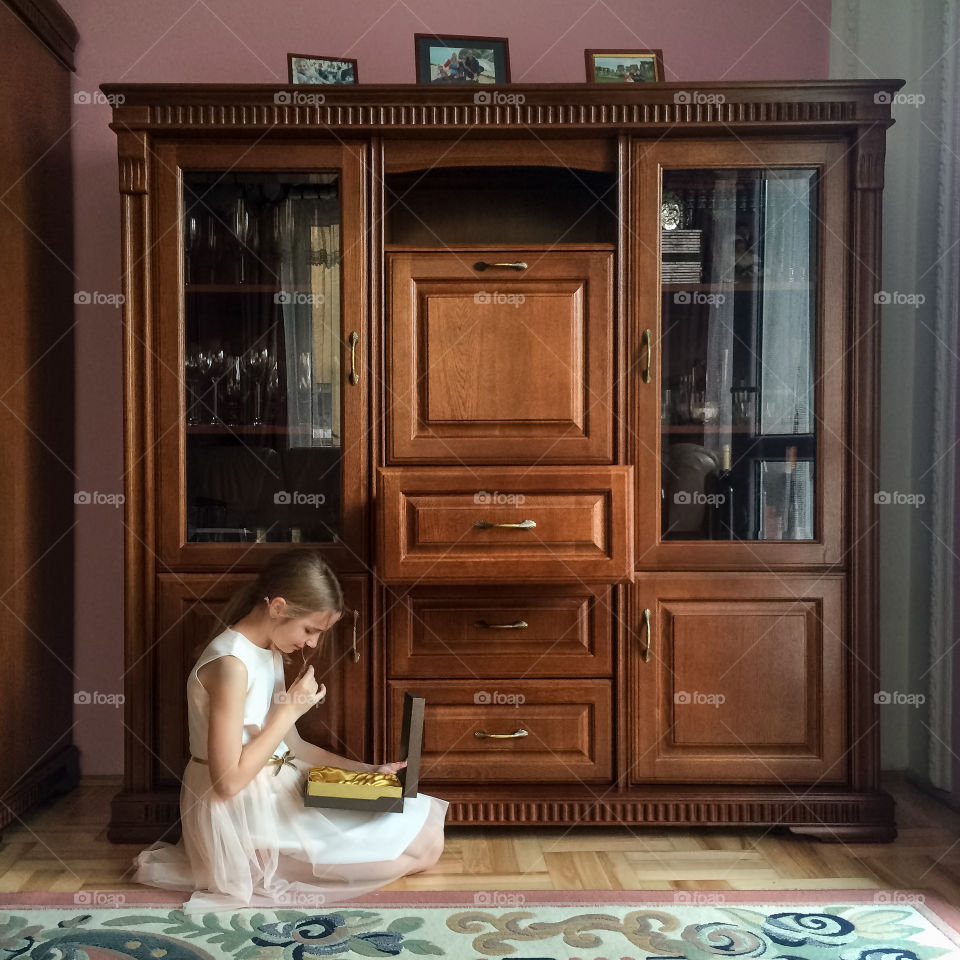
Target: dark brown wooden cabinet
578	394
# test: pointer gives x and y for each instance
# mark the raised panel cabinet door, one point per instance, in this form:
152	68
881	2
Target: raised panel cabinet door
260	353
738	679
739	400
187	611
500	355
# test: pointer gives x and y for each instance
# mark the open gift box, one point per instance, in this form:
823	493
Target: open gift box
334	787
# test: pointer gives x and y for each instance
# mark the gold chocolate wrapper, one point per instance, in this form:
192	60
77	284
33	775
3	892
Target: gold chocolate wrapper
336	782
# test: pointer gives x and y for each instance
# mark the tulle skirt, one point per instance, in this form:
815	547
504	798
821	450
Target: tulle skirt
264	848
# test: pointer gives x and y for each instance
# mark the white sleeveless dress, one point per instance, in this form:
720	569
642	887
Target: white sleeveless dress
263	847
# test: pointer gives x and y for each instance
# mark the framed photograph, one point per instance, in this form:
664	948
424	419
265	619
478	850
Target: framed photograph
477	60
306	68
624	66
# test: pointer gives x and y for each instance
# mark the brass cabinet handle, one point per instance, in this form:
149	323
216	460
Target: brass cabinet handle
522	525
645	341
356	651
518	625
354	340
483	735
646	650
510	265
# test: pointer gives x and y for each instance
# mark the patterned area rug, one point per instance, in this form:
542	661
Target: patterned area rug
481	925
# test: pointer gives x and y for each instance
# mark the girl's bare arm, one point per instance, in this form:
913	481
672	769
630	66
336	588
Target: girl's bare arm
232	764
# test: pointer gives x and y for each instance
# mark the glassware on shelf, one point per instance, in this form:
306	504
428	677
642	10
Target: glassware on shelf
743	401
233	394
214	366
255	364
212	245
245	233
192	376
192	239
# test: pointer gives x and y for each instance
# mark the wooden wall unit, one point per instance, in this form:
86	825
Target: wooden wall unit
600	475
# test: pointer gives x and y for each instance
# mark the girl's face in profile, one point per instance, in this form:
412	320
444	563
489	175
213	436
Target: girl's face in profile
290	635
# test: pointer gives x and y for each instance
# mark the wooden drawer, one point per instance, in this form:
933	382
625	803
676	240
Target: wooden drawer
567	723
442	525
488	363
501	631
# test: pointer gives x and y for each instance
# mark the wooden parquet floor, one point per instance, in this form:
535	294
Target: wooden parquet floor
63	847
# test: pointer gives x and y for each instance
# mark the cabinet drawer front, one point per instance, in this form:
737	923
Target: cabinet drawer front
567	722
500	632
495	364
441	525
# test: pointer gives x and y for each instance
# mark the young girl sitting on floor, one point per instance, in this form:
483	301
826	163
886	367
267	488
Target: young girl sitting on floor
247	838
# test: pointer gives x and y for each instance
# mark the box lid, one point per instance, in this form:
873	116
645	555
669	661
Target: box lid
411	742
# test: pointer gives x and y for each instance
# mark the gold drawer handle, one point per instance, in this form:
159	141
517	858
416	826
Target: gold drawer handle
646	650
519	625
356	652
522	525
645	342
483	735
512	265
354	340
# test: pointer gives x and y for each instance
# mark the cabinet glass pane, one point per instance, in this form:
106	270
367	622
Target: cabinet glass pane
738	301
261	300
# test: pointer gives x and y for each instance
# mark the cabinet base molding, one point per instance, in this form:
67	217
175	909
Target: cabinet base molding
59	773
826	816
830	817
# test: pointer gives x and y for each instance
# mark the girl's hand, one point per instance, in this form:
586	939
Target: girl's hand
390	767
303	693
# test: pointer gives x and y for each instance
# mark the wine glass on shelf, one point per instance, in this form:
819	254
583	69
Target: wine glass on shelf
255	364
192	373
245	233
213	245
191	244
233	394
215	365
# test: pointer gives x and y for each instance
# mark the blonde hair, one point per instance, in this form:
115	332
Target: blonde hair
300	575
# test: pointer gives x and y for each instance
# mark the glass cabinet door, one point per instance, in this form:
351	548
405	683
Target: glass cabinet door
741	304
269	356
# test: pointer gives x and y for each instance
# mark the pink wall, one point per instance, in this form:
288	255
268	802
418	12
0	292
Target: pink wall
247	41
